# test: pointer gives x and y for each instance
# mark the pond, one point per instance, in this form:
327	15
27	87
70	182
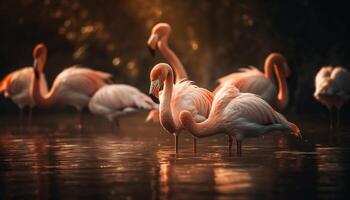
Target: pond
54	160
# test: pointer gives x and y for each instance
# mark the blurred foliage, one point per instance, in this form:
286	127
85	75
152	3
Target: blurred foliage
212	38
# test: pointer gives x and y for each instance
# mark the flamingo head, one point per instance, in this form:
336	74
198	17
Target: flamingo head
280	61
39	55
159	31
157	77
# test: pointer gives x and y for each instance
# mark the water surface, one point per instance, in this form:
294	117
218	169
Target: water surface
54	160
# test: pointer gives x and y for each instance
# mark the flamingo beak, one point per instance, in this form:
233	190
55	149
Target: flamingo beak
152	44
35	68
152	51
154	91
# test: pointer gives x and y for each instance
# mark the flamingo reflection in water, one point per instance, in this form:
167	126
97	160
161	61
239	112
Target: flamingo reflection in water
240	115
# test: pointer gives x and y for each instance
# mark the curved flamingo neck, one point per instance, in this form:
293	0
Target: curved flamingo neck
274	66
40	99
166	117
174	61
206	128
42	61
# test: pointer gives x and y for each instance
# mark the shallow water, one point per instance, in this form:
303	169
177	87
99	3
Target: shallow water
54	160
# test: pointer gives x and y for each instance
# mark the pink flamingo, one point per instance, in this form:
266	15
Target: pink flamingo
159	39
74	86
183	95
240	115
254	81
16	86
332	89
114	101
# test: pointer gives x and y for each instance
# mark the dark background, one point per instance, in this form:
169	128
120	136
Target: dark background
212	38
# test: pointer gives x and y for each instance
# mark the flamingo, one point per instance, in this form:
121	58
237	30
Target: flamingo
241	115
183	95
16	86
254	81
332	88
74	86
159	39
117	100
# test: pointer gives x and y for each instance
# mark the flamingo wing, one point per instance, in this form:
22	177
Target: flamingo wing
341	78
75	85
323	74
5	82
242	73
252	80
252	116
187	96
16	85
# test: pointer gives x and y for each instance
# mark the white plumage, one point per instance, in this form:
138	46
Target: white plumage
332	86
117	100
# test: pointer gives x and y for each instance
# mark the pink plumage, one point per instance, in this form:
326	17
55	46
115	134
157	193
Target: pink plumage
271	85
175	98
16	86
240	115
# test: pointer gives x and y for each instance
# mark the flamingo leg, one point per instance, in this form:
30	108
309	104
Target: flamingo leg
239	148
194	145
30	116
330	120
230	144
338	119
176	143
21	119
80	121
116	125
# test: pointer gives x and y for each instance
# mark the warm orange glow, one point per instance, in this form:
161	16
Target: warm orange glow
194	45
133	70
116	61
230	180
87	29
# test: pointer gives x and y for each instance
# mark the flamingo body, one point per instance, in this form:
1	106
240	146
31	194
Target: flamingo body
251	80
242	115
332	86
187	96
75	86
117	100
16	86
